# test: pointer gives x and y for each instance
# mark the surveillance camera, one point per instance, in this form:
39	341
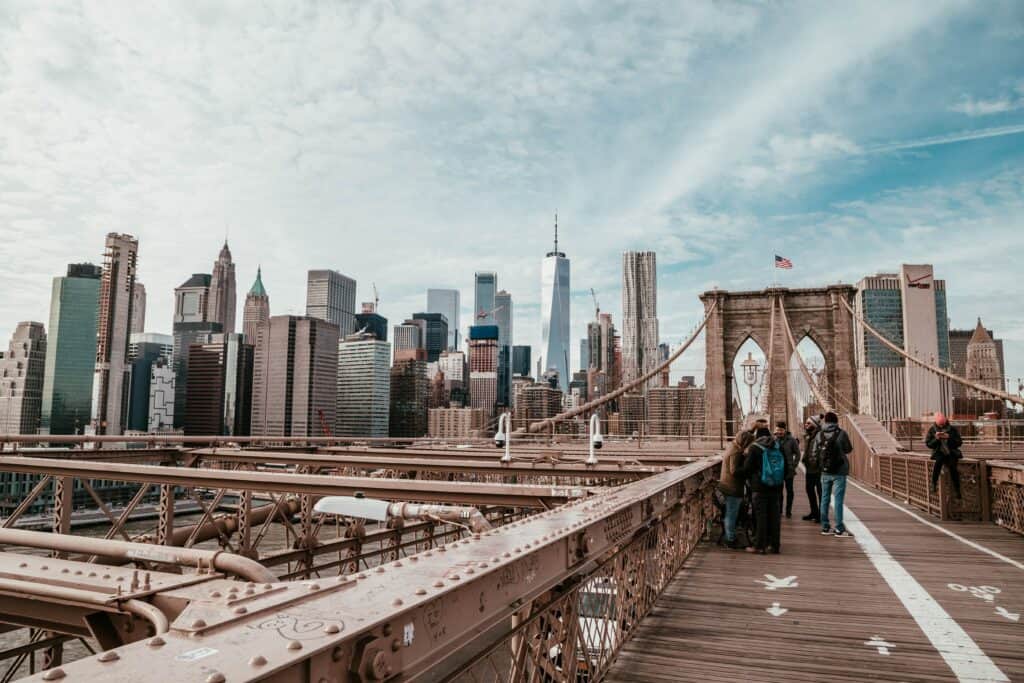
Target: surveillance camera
499	440
597	440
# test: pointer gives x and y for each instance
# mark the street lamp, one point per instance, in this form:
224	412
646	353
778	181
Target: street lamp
503	437
596	440
750	371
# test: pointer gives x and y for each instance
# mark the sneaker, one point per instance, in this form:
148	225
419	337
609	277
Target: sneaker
825	531
843	534
808	518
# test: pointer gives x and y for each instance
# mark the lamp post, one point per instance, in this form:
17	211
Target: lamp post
750	372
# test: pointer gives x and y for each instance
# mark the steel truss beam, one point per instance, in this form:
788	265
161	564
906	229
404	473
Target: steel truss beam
508	495
430	463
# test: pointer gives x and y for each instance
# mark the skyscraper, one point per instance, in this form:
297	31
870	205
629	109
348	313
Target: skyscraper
909	309
408	340
295	375
521	361
138	308
446	302
331	296
161	395
483	367
220	306
110	384
144	349
639	315
554	314
958	343
71	350
371	322
364	386
257	309
984	362
220	386
484	290
410	391
436	339
191	325
21	379
503	316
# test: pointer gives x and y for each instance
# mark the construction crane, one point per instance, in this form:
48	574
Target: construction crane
323	423
597	306
483	315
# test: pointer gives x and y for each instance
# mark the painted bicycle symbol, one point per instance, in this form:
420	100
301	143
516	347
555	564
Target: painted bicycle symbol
986	593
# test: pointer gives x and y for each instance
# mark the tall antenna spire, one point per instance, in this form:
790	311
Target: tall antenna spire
556	231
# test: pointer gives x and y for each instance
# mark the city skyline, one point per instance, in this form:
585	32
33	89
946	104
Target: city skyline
779	147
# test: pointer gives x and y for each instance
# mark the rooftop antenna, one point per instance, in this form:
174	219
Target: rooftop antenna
556	231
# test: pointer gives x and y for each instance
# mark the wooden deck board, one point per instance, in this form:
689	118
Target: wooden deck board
711	624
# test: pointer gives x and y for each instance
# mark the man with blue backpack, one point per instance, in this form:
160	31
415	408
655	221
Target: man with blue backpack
832	446
765	469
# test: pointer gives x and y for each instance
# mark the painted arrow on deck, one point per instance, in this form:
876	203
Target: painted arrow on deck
880	644
776	610
774	583
1003	612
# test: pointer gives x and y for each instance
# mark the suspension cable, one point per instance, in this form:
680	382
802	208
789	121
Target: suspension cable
822	398
766	377
1017	400
597	403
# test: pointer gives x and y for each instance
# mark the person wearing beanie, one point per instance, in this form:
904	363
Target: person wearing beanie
945	441
812	467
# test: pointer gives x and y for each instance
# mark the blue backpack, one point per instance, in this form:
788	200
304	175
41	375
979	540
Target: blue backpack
773	465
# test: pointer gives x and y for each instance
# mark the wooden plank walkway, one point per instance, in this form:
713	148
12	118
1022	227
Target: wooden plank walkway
716	622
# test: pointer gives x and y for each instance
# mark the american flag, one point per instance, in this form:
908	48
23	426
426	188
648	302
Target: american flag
783	262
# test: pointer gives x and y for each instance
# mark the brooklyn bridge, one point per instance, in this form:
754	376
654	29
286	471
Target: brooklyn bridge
546	559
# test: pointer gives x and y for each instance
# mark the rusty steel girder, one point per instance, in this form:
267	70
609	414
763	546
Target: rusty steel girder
508	495
430	612
616	470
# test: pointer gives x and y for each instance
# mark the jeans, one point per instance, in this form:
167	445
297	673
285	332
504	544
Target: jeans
789	495
954	473
768	512
812	483
732	510
830	483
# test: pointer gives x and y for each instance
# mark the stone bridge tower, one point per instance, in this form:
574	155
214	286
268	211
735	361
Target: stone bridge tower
815	313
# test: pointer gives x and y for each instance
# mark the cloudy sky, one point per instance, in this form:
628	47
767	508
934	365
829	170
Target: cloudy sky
410	144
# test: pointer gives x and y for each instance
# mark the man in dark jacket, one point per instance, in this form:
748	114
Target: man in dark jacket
812	474
945	441
767	499
790	448
832	447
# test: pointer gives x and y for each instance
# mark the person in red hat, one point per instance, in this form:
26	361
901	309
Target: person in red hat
945	441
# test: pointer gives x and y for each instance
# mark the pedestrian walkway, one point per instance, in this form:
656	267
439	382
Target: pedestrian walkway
901	601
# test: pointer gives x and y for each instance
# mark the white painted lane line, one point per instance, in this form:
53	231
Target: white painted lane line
966	541
967	661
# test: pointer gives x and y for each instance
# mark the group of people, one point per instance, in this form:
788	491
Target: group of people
764	462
